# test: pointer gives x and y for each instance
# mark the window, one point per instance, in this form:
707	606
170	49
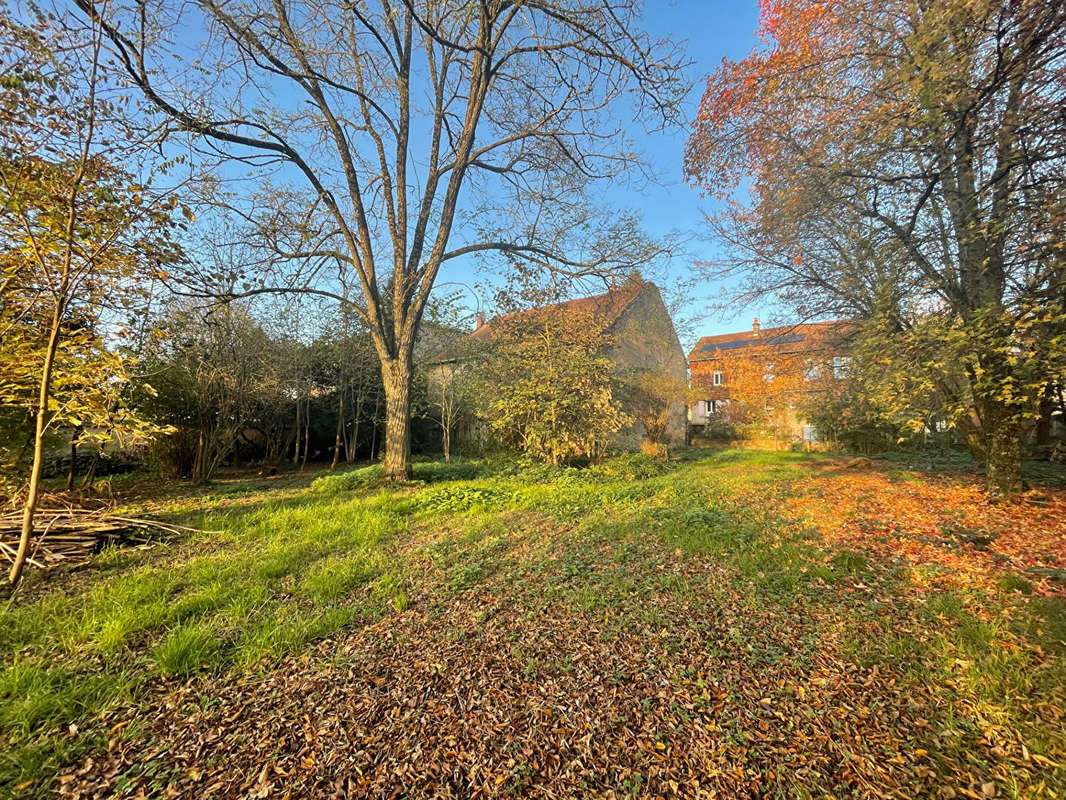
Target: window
811	370
717	378
712	406
841	366
768	372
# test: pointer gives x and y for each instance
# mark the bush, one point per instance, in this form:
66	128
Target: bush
654	449
453	499
718	429
346	481
632	466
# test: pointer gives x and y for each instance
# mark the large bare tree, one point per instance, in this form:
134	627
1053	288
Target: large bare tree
425	130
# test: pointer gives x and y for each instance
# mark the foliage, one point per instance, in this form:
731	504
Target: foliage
118	234
78	233
907	166
652	398
553	394
852	418
453	499
214	374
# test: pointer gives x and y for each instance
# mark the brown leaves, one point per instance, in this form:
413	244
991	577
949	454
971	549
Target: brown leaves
652	672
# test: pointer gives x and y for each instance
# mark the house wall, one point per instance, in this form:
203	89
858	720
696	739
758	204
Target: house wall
790	365
644	338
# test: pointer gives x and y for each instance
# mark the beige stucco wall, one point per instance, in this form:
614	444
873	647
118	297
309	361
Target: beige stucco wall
644	338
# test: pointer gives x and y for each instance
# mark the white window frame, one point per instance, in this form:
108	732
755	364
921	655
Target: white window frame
841	365
717	378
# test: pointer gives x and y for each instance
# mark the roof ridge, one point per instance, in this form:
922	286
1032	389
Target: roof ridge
626	294
728	341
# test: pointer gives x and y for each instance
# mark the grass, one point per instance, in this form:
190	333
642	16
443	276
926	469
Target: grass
621	542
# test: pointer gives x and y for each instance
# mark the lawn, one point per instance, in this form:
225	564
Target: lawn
731	624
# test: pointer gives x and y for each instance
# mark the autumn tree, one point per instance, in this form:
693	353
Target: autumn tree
424	131
76	231
653	398
907	166
764	390
553	386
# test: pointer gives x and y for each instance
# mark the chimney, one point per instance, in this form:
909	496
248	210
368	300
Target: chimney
480	321
755	328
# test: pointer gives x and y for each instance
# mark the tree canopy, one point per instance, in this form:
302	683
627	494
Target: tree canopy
902	163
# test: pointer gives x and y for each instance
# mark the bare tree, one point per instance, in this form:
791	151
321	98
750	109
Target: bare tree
426	131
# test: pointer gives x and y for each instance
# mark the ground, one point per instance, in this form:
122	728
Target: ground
732	624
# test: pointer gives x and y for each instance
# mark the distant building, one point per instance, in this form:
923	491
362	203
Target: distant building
639	335
766	375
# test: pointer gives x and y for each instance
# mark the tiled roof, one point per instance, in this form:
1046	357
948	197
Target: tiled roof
709	346
606	308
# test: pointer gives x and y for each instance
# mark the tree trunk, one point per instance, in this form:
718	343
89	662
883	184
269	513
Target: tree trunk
996	442
90	476
307	433
73	460
1003	461
351	451
1044	416
200	466
340	430
33	490
396	375
374	428
296	446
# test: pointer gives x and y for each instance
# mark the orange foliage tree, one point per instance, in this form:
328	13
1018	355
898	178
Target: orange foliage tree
905	163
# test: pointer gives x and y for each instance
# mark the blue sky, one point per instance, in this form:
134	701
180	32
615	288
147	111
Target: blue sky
712	31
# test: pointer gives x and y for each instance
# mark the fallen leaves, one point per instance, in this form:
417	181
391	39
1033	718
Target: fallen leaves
651	671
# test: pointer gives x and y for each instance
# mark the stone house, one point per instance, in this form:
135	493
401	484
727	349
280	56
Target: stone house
773	371
639	336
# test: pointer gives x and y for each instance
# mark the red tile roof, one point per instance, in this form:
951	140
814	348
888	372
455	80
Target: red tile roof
606	308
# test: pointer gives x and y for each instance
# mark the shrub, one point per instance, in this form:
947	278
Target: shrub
452	499
346	481
653	449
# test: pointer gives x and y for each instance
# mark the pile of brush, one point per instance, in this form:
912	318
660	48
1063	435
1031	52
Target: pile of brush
70	535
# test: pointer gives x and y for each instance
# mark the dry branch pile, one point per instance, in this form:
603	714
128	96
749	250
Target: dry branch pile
71	535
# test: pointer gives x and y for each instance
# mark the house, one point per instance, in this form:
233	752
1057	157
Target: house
639	336
766	376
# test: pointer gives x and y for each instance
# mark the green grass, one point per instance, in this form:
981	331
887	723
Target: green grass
277	571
